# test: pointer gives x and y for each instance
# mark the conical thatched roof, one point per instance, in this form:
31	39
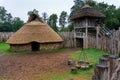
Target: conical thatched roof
87	11
35	30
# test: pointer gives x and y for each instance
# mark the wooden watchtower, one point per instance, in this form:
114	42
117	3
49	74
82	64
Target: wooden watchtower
86	21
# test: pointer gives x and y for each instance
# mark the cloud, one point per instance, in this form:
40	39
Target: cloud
21	7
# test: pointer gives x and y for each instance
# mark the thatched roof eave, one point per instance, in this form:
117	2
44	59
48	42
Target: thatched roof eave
87	11
34	41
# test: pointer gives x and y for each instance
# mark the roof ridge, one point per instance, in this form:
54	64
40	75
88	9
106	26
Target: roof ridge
34	17
86	6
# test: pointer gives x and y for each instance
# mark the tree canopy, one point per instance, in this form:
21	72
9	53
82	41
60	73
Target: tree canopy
63	20
112	20
52	21
9	23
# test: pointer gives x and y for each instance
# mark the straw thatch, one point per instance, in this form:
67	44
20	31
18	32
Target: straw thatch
34	17
35	30
87	11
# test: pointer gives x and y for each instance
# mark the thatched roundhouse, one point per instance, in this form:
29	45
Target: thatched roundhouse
34	35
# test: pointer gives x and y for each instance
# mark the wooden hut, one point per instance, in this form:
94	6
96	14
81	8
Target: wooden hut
35	35
86	22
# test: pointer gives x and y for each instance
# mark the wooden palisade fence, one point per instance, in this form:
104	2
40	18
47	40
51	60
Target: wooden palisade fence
108	67
109	43
68	38
4	36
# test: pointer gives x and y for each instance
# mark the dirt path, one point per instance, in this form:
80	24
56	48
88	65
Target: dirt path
25	66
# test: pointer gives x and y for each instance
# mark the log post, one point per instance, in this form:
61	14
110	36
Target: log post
102	72
97	32
119	39
86	31
104	61
113	64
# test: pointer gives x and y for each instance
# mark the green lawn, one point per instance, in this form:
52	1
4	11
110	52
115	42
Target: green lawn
4	48
92	54
84	74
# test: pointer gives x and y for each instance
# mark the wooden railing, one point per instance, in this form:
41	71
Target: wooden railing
80	34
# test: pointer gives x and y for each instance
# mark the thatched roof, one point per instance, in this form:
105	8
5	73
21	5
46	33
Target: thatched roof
34	31
87	11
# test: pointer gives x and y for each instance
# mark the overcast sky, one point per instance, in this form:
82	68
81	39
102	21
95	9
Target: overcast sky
19	8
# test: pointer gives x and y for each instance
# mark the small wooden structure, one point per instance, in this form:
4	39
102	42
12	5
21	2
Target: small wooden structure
34	36
83	65
86	22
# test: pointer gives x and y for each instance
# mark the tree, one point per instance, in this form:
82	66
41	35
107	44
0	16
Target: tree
62	19
45	16
7	22
112	20
17	23
52	21
4	16
77	4
70	27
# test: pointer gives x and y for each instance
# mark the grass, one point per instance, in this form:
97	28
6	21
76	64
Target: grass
53	51
84	74
119	53
5	49
92	54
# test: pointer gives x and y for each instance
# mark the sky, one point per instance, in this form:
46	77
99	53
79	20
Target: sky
19	8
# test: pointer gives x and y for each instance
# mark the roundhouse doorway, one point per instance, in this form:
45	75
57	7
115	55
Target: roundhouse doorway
79	42
35	46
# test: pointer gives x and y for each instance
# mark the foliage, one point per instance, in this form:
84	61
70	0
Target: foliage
77	4
5	49
53	51
112	20
17	23
62	19
4	16
7	22
52	21
71	26
119	54
45	16
92	54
